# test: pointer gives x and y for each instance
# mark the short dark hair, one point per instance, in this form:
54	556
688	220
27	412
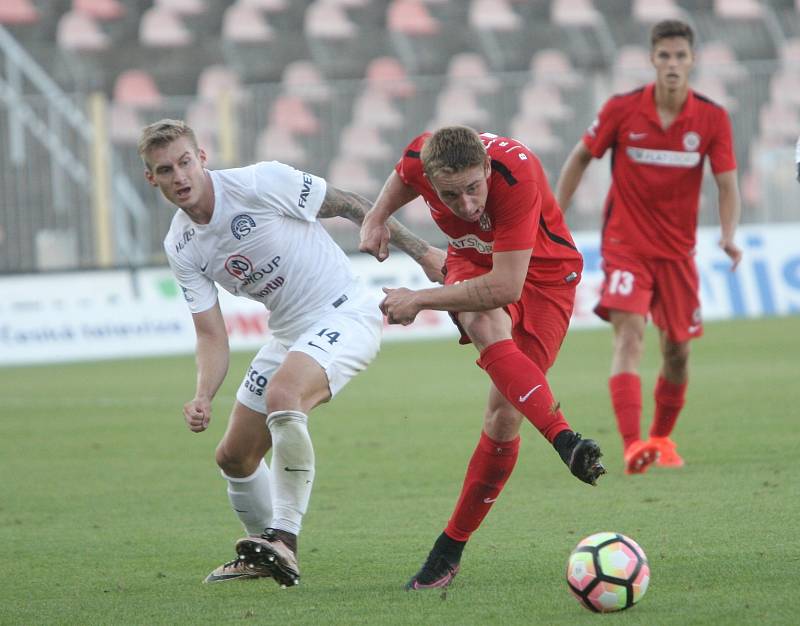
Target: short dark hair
671	28
452	149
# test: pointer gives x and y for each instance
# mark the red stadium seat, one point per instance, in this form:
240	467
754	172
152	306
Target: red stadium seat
137	89
100	9
389	75
293	114
411	17
18	12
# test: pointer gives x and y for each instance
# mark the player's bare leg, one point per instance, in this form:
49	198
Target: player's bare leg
240	457
625	389
299	385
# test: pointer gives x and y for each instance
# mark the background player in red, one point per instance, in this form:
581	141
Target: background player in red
512	269
660	136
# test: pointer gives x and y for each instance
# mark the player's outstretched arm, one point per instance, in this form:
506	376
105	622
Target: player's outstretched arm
355	207
730	208
571	174
212	355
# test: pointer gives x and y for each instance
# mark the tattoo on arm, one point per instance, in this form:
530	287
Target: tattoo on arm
352	206
480	291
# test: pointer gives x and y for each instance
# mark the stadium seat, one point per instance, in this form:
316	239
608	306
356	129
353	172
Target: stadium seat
374	107
100	9
717	58
471	68
458	104
651	11
784	88
337	45
216	80
160	28
137	89
541	100
80	32
632	68
536	134
182	7
293	114
354	175
552	66
738	9
303	79
125	124
574	13
779	123
504	38
279	144
18	12
494	15
417	37
714	88
362	141
389	75
242	23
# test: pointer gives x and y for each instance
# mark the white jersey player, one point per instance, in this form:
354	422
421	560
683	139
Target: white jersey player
254	231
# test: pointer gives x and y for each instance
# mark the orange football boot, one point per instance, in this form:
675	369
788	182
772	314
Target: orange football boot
668	456
639	456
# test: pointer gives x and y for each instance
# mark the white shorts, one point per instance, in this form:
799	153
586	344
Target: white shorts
343	341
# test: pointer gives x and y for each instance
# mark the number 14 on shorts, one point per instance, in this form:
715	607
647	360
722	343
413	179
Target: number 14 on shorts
327	335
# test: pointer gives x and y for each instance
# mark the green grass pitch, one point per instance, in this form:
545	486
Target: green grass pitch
112	512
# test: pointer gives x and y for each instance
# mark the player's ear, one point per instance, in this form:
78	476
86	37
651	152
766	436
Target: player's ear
487	166
201	153
148	176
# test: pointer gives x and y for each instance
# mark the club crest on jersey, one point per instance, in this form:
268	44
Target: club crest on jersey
485	223
241	225
691	141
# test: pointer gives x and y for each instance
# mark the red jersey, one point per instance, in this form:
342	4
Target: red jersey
652	205
520	213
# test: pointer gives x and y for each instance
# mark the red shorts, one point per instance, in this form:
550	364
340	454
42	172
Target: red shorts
539	319
665	288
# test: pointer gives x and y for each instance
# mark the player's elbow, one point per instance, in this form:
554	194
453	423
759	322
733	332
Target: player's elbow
509	291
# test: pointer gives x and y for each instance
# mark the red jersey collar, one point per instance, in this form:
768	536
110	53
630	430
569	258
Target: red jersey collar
648	105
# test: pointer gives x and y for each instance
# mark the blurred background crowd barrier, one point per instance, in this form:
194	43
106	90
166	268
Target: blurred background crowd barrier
337	88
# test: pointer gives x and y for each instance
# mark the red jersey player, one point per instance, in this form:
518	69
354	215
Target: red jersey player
660	136
511	273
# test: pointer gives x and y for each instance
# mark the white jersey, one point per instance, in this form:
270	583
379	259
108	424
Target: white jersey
264	243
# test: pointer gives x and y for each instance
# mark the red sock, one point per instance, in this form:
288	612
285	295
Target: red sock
626	398
524	385
669	402
488	470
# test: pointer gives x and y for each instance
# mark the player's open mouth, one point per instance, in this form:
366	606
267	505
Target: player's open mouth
183	193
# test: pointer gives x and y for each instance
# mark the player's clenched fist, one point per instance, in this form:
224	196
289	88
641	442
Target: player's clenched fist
197	413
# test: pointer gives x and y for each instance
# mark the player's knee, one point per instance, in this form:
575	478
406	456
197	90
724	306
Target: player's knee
483	329
502	422
676	357
282	398
234	463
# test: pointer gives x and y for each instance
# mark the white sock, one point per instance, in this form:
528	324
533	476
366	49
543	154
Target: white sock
292	469
251	499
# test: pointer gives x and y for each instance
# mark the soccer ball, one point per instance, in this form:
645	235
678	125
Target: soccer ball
608	572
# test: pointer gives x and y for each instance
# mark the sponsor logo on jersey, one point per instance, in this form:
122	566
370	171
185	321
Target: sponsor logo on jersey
691	141
241	268
241	225
307	182
471	241
664	158
185	238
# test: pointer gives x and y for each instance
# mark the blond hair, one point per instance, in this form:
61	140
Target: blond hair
162	133
452	149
